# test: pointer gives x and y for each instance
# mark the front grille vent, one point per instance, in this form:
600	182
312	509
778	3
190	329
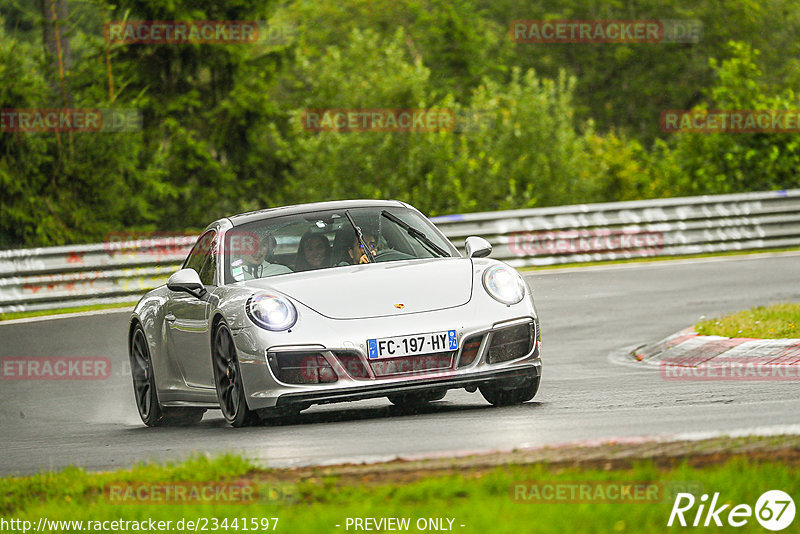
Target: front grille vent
469	350
301	367
511	343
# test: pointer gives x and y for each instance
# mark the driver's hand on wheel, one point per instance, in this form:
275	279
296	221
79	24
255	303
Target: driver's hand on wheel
364	258
358	250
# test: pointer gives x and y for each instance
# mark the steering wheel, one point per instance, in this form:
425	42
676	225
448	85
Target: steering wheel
391	255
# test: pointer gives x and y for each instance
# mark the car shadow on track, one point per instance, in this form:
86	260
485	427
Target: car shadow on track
364	413
317	416
380	412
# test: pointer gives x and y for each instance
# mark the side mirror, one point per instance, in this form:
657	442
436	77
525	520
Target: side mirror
477	247
188	281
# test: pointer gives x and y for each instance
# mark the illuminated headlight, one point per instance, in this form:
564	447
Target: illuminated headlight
504	284
271	312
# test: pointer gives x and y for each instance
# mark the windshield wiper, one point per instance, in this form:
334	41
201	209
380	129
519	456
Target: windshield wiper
360	235
417	234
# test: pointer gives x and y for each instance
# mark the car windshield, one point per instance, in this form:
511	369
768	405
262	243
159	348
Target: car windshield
327	239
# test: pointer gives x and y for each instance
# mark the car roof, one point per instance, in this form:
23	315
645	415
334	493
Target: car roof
244	218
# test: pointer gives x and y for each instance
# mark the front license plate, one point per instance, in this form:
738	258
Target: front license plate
395	347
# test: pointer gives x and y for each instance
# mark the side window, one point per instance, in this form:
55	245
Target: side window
210	265
205	244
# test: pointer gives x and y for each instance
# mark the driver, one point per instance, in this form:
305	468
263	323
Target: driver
356	251
259	264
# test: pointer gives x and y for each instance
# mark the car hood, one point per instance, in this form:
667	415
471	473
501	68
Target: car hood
380	289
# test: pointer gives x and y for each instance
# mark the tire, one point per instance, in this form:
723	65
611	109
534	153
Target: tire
416	400
504	394
228	380
145	392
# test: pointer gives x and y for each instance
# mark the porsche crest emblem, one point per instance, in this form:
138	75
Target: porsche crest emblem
400	306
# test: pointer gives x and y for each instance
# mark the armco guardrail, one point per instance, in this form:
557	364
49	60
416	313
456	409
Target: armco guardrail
53	277
119	271
615	230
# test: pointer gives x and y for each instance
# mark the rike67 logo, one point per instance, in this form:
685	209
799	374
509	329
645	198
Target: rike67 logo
774	510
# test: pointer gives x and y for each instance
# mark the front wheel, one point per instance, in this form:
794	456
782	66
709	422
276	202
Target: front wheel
228	381
504	394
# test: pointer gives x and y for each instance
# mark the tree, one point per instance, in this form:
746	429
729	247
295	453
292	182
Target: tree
717	163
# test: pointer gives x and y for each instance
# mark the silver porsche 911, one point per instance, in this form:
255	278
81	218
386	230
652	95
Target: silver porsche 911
276	310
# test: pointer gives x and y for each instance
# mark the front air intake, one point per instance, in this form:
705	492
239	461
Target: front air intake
511	343
469	350
301	368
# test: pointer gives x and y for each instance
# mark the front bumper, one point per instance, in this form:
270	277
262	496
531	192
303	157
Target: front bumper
381	389
265	390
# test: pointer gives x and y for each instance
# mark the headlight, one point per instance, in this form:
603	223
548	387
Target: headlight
504	284
271	312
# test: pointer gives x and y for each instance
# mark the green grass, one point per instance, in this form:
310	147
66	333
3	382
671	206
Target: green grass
58	311
479	499
649	259
773	322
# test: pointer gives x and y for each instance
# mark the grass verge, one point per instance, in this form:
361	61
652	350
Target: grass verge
59	311
482	498
765	322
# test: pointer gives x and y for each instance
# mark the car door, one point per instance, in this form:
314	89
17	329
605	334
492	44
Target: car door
188	317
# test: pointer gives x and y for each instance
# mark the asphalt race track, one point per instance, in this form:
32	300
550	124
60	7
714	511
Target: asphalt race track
587	315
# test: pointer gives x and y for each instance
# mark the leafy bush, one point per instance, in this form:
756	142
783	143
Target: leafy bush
537	125
718	163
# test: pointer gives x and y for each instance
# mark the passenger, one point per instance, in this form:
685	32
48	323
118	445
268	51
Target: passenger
259	264
314	252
